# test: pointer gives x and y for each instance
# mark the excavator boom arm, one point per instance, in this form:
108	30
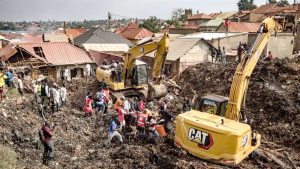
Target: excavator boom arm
245	68
139	51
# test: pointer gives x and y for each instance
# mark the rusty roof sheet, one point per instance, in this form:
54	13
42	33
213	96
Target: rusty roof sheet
7	52
199	16
136	34
59	53
264	8
99	57
73	33
225	15
244	27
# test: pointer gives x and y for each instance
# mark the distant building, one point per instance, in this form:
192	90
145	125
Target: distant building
133	33
211	25
74	32
55	37
182	54
198	18
102	41
237	27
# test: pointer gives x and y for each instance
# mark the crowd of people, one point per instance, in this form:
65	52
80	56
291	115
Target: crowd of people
218	55
116	69
49	98
130	116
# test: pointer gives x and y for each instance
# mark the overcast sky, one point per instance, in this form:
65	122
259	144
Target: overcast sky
70	10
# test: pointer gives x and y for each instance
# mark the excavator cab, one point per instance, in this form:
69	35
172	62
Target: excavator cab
213	104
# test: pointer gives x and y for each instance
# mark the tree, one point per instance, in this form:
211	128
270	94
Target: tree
173	22
284	2
152	24
272	1
177	14
246	5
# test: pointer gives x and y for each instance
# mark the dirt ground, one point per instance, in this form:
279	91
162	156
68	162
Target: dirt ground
273	108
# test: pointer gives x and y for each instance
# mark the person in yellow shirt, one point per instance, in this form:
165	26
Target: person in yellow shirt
2	83
149	114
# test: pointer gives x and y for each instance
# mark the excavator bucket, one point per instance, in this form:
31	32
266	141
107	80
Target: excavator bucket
156	90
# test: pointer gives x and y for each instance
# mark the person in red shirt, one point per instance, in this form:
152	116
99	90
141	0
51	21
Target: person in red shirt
46	137
142	105
121	117
119	103
141	122
227	24
269	57
88	106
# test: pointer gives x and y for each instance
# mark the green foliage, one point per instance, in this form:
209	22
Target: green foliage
284	2
173	22
8	158
272	1
152	24
246	5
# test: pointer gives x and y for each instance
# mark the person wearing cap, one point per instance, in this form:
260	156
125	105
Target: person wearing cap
113	132
119	103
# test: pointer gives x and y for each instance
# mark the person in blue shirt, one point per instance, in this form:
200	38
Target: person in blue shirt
113	132
10	78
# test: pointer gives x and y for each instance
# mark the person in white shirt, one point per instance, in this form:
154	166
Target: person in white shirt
35	90
56	98
63	94
126	105
66	74
20	85
88	69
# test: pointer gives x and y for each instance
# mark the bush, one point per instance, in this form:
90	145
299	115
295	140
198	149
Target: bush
8	157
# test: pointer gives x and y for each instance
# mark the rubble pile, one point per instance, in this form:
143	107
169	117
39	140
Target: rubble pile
273	104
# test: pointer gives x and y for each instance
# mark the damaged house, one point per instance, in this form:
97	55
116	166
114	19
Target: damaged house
49	59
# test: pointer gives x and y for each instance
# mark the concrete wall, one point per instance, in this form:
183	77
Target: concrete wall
230	42
256	17
198	54
281	46
208	29
182	31
81	70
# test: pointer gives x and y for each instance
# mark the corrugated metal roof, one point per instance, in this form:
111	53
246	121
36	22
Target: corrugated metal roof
73	33
244	27
98	36
199	16
264	8
7	52
225	15
209	35
99	57
59	53
106	47
56	38
212	23
136	34
178	47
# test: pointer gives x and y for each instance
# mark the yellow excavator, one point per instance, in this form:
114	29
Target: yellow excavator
135	79
214	133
